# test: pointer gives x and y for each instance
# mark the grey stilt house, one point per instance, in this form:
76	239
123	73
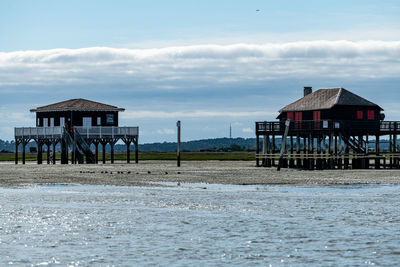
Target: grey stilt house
76	124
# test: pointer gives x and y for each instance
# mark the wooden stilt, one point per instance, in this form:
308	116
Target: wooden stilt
264	152
291	161
54	152
390	151
268	159
23	151
273	150
311	152
104	143
96	151
39	152
258	151
331	160
377	159
128	151
346	156
298	159
16	151
48	145
136	151
112	151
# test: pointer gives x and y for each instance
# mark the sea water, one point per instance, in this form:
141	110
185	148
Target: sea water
200	224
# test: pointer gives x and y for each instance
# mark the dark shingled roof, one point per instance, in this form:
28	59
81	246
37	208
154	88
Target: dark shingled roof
326	99
77	104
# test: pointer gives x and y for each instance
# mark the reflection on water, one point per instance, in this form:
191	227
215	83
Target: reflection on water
200	224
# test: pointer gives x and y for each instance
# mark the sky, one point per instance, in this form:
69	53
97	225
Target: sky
210	64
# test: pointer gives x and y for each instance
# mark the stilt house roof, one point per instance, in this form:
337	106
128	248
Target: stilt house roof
77	104
326	99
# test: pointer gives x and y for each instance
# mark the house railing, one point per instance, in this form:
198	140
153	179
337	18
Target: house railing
107	131
86	132
370	127
38	132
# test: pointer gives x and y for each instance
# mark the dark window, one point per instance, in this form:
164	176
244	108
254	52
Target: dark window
290	116
317	118
359	115
371	115
110	118
298	117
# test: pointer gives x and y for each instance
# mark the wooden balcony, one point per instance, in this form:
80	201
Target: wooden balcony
307	127
86	132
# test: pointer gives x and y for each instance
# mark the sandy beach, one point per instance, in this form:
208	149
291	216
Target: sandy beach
147	173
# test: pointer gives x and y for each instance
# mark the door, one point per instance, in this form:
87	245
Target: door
51	122
45	122
317	119
87	122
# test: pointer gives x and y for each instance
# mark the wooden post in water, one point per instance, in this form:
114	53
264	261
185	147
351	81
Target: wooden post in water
291	161
273	150
377	159
298	160
178	125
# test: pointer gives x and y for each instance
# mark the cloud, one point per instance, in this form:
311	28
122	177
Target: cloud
165	131
247	130
186	67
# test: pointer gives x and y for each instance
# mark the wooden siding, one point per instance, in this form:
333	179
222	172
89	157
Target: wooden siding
77	117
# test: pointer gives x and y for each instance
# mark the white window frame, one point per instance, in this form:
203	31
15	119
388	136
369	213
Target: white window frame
62	121
85	120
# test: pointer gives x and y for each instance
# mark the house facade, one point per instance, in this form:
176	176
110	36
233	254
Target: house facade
77	112
331	104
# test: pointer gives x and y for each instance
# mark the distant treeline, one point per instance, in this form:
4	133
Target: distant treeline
217	144
207	145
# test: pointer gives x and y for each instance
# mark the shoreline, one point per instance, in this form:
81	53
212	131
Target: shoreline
147	173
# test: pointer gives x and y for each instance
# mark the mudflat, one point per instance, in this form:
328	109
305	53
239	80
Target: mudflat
146	173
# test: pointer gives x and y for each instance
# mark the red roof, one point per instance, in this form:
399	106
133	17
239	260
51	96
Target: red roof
77	104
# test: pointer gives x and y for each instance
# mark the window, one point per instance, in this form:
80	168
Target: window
38	122
371	115
98	120
51	122
45	122
298	117
359	115
110	118
290	116
62	121
317	118
87	122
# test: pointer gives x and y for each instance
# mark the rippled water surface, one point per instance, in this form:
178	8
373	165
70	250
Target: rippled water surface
200	225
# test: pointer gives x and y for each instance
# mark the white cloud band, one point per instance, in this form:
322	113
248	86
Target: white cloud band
173	67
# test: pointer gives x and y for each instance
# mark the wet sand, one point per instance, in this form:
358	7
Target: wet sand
216	172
